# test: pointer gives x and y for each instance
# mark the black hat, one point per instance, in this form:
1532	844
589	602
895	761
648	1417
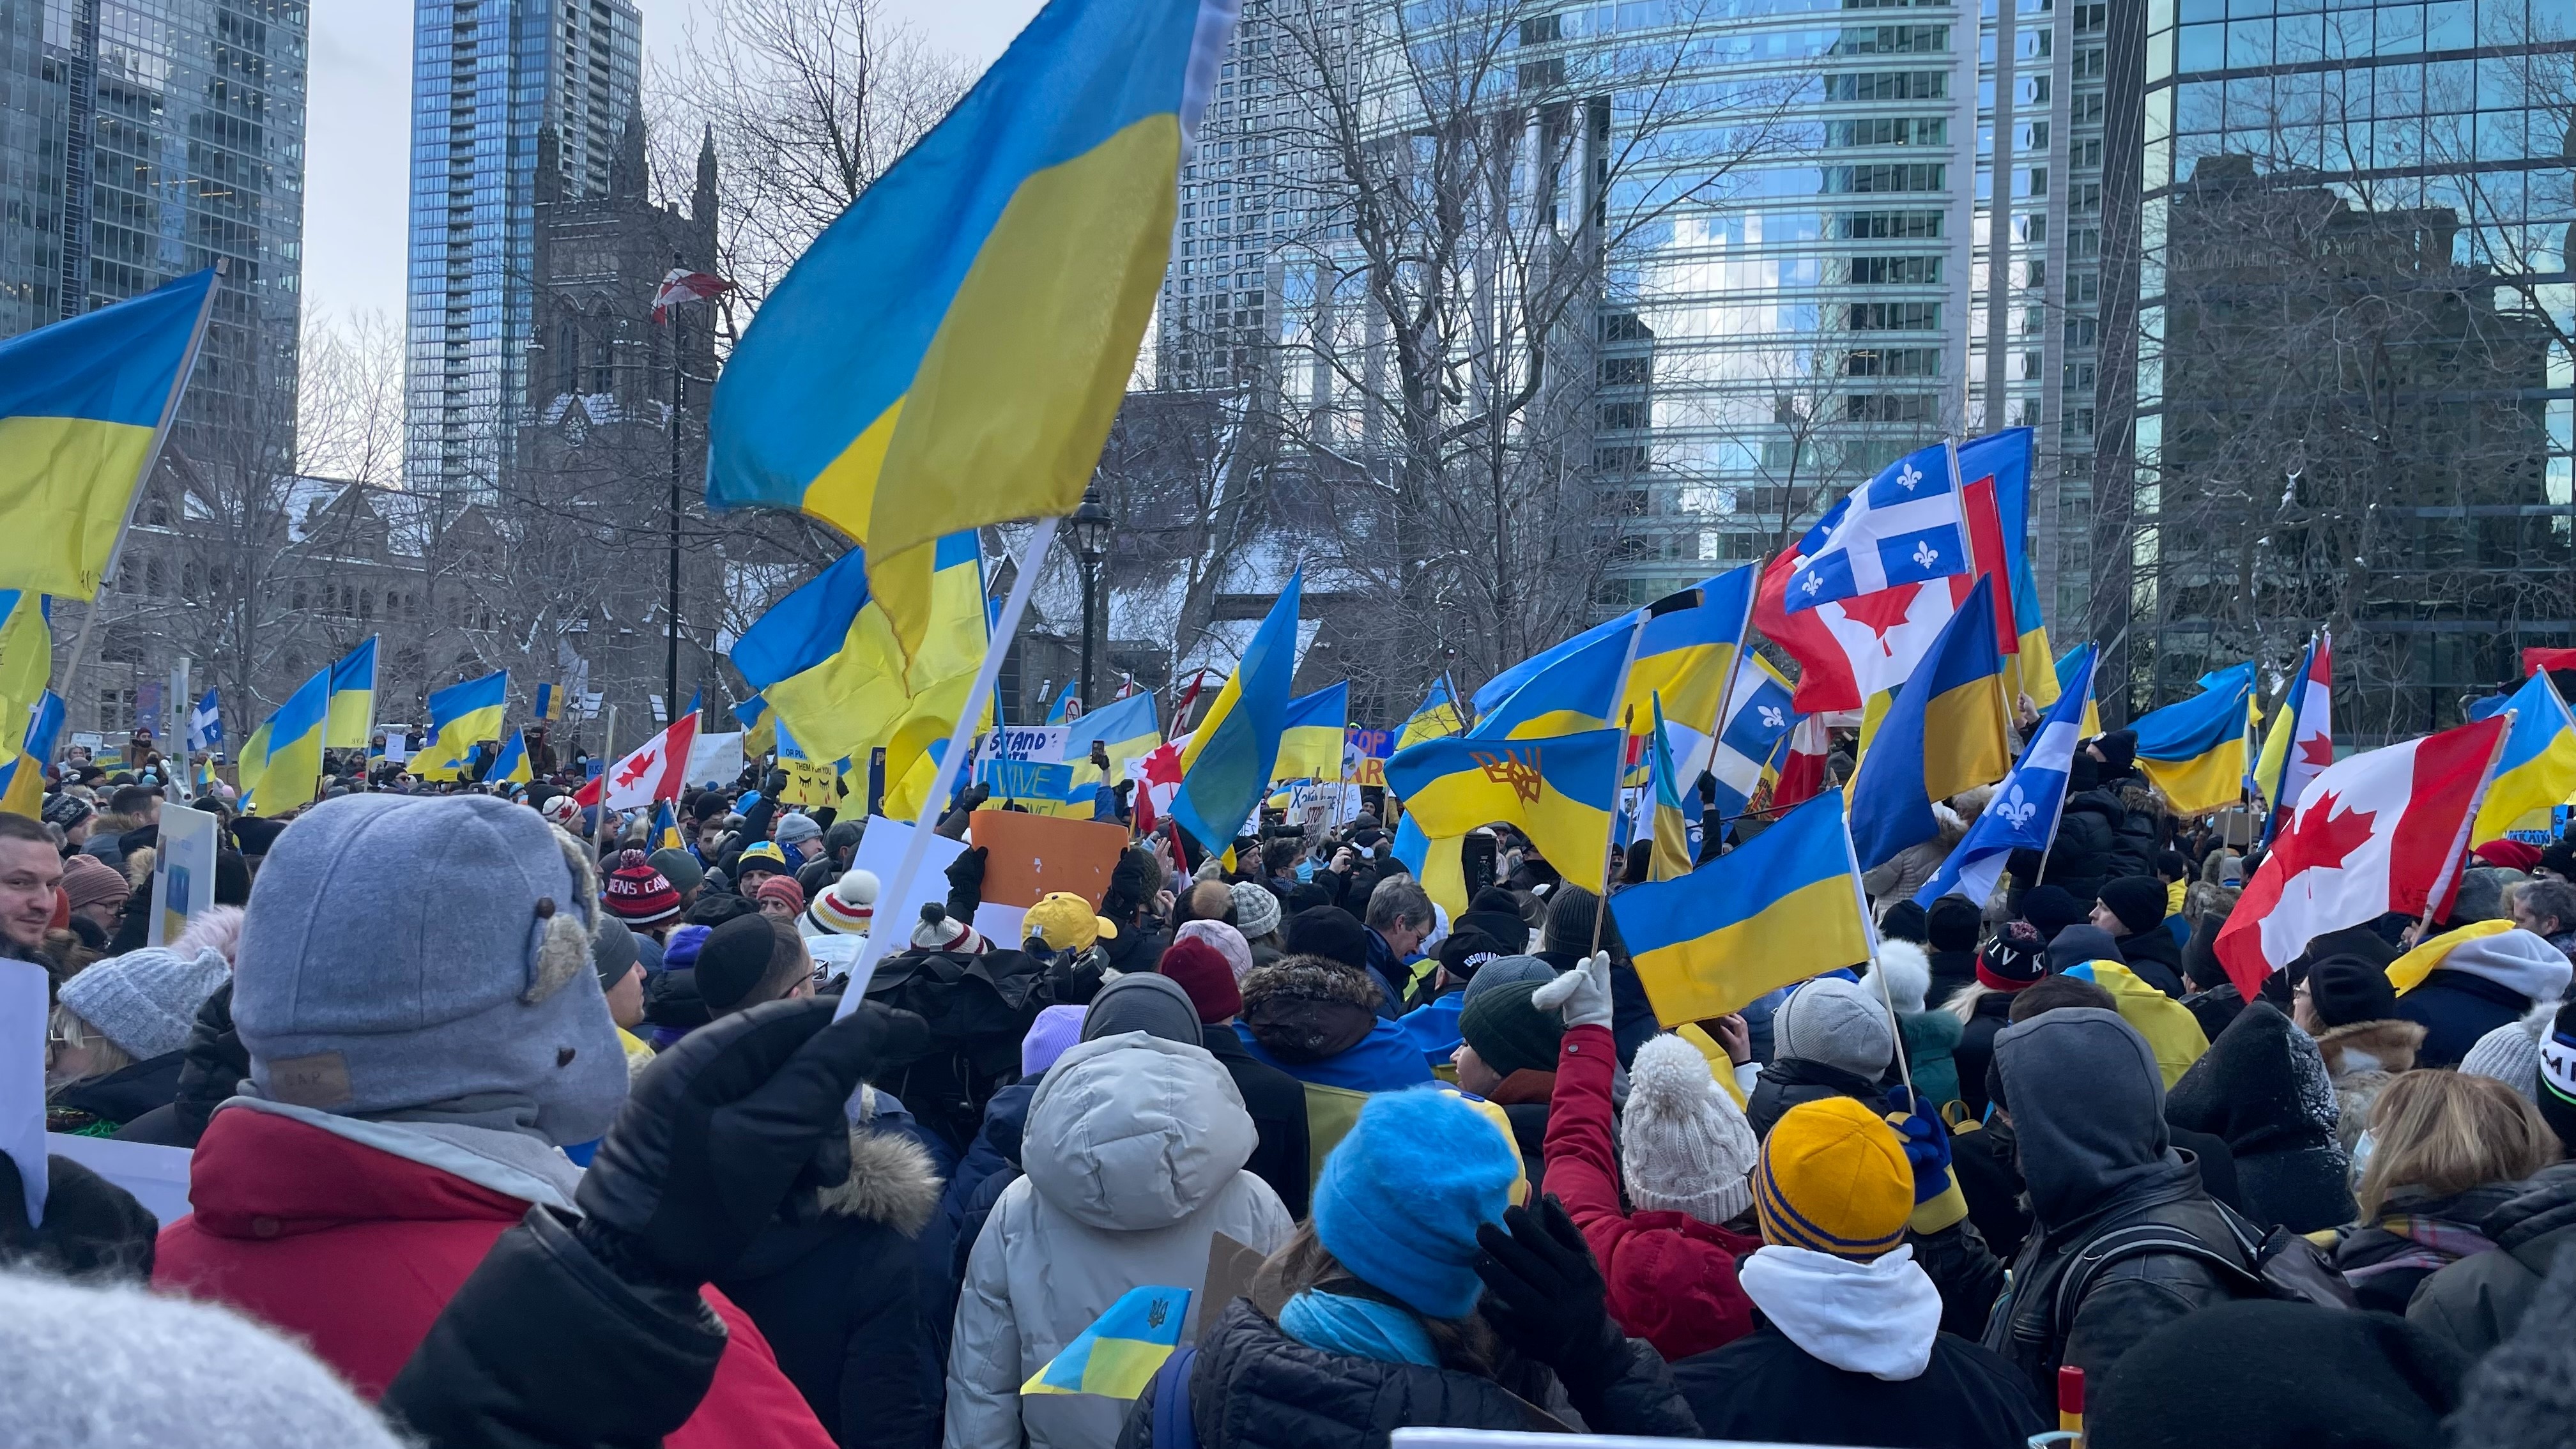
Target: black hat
2015	958
1496	913
2555	1087
2138	900
2051	908
1570	913
1468	948
2268	1375
1906	921
1330	932
2119	752
257	834
1952	924
2346	989
733	959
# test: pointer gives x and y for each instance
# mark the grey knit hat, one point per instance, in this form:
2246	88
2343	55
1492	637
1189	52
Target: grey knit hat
1835	1022
1504	970
678	867
402	951
1256	910
795	829
1684	1145
2510	1053
145	1001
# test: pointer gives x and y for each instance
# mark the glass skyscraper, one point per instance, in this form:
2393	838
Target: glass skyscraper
487	77
2352	378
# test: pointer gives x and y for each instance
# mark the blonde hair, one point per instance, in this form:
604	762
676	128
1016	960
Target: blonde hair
2444	1132
105	1055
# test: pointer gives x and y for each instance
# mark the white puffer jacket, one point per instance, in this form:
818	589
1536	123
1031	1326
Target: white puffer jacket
1134	1156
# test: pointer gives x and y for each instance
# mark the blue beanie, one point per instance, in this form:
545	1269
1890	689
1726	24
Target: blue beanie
1400	1197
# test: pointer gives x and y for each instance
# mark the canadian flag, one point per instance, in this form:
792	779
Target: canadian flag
1157	774
1802	769
655	772
2378	832
682	285
1850	649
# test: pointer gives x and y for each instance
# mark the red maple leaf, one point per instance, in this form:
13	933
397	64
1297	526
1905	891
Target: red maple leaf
2320	839
1881	612
2316	750
634	771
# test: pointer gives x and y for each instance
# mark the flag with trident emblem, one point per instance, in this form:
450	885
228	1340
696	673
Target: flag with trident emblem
1558	789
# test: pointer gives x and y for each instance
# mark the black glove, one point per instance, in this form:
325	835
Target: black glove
1544	1296
1707	789
774	784
966	872
975	796
742	1122
91	1225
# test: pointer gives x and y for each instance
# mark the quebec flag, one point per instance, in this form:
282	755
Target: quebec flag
1904	527
2023	813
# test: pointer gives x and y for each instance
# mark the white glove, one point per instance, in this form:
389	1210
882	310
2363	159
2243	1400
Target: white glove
1582	993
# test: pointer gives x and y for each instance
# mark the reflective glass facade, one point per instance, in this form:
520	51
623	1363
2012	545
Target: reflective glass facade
487	77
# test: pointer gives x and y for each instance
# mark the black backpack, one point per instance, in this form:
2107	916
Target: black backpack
2286	1266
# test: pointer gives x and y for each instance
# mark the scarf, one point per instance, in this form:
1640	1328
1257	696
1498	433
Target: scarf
1358	1327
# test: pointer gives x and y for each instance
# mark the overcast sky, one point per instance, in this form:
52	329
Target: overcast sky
358	127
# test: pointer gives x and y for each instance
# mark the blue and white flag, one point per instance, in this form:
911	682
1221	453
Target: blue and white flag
1758	717
1904	527
205	724
2023	813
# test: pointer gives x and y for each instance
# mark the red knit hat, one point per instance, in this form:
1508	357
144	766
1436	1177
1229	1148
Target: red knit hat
782	888
638	894
1201	970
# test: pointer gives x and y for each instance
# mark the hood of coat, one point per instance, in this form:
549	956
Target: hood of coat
892	1181
1305	1008
265	1173
2370	1046
2262	1086
1130	1132
2088	1112
2516	960
1877	1318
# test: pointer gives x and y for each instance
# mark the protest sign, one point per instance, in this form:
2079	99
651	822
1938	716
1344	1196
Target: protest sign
1025	762
156	1175
717	760
1364	755
24	1005
1028	856
183	872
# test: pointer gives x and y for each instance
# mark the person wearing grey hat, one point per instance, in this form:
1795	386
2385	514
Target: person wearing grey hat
1143	1001
799	836
1831	1038
617	958
681	869
1257	916
116	1036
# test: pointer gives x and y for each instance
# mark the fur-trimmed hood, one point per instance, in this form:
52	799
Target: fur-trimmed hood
2370	1046
1308	1008
892	1181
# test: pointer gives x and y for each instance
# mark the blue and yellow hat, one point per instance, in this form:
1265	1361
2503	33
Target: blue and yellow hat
1833	1178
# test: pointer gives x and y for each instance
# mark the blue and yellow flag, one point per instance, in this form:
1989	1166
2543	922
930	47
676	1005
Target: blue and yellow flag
83	406
2080	660
1226	768
549	705
1126	730
759	726
353	699
1685	654
22	780
26	662
1944	734
1312	734
462	716
950	352
2194	751
1560	790
666	828
1780	908
2538	766
1671	837
248	766
1117	1355
1573	686
1063	706
512	767
291	765
1438	718
2005	457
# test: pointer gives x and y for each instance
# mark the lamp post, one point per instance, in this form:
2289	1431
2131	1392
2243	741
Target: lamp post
1090	529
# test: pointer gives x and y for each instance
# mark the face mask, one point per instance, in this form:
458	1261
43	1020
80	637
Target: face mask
2361	1151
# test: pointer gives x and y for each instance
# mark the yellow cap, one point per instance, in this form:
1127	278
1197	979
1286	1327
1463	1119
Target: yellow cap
1834	1178
1065	922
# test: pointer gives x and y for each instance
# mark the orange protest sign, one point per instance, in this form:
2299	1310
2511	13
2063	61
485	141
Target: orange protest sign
1032	855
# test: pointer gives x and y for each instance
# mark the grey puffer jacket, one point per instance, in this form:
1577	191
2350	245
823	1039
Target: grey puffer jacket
1133	1155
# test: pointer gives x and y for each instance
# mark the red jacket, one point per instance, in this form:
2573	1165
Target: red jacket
1671	1276
355	1250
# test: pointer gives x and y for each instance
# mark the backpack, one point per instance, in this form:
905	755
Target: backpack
2286	1267
1172	1426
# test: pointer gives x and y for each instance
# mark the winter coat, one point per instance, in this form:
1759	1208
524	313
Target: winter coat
1251	1386
1671	1277
351	1236
1383	1060
1950	971
2084	854
1788	1081
2156	957
2481	984
1765	1388
990	1163
1277	1104
2139	837
2214	1008
2415	1235
1930	1039
1989	1012
2477	1301
1899	876
2263	1088
842	1301
1134	1156
100	1105
2362	1058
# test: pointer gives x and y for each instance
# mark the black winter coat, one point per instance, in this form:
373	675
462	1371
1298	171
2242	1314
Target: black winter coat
1277	1104
2263	1089
2155	957
120	1097
1254	1387
2478	1301
842	1303
1762	1387
1950	971
2455	1008
1789	1081
990	1163
1976	1049
2083	857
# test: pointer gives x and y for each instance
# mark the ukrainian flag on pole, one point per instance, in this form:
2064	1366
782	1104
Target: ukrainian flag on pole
1781	908
26	662
22	780
1671	835
462	716
2538	766
1944	734
1117	1355
2195	751
353	699
291	763
512	767
1686	654
1560	789
950	352
1438	717
1226	768
1312	733
84	405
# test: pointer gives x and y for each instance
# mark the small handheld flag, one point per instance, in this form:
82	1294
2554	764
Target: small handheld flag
206	723
1117	1355
512	767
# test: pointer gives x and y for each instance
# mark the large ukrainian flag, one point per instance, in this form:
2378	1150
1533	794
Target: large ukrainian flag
950	352
2538	767
1944	734
1780	908
1684	656
353	699
2194	751
461	716
291	763
1226	768
1560	790
83	406
1312	733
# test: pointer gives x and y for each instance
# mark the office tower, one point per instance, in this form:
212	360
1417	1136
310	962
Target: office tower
2352	400
488	77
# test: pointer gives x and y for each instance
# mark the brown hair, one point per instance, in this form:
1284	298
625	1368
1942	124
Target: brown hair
2444	1132
1466	1344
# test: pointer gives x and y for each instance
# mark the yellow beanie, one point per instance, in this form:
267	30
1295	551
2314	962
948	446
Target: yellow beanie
1834	1178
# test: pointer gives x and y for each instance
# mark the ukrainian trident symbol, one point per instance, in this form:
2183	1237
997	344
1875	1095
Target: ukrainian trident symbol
1510	768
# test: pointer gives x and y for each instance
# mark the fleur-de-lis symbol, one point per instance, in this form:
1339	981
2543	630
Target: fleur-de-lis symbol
1813	585
1773	716
1925	555
2017	809
1909	477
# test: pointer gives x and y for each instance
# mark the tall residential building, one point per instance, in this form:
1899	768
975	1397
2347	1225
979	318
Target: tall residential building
2353	392
488	78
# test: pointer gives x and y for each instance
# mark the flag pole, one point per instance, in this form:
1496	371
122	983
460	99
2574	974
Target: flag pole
1032	557
1869	932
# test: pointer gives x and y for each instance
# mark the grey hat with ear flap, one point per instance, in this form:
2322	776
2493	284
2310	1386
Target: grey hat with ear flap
404	952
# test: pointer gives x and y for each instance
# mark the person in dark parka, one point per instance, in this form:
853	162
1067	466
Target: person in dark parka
1275	1100
2279	1376
1953	929
2083	857
2263	1089
2479	985
2132	909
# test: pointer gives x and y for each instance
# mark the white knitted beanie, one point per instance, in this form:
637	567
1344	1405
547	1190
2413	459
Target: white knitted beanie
1684	1144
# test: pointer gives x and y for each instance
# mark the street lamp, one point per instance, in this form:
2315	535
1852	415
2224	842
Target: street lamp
1090	528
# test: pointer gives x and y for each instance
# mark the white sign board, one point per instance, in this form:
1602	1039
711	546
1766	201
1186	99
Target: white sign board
156	1175
183	872
881	850
715	759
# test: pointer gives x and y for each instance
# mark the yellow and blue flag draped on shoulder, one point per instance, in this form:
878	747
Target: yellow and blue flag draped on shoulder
1560	790
1438	718
1117	1355
462	716
1685	654
511	768
2194	751
2080	658
1944	734
1672	849
22	780
353	699
1226	768
26	661
83	407
1780	908
950	352
2538	766
292	764
1312	733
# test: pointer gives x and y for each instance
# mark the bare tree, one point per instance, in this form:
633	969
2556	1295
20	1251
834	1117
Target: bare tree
349	409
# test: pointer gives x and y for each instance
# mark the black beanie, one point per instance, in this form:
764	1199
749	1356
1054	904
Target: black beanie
1906	921
1330	932
1952	924
734	958
1570	910
1467	949
2556	1084
2052	909
2346	989
2119	752
2272	1375
1508	1032
2138	900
